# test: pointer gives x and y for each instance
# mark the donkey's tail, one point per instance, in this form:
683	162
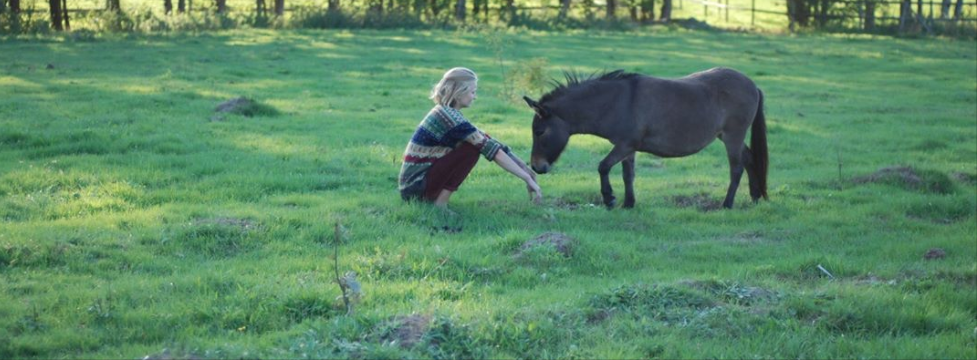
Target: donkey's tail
758	145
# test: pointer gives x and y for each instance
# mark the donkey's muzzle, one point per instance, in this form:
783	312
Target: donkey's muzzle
541	169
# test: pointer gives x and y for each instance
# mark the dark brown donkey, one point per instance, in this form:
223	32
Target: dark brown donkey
665	117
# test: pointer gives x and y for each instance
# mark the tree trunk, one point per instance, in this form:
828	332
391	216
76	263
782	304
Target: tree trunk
333	5
905	13
460	10
869	15
958	10
564	8
633	12
435	9
945	9
221	6
666	13
611	8
260	8
167	7
181	6
113	5
279	7
67	21
510	6
14	6
647	10
55	7
823	13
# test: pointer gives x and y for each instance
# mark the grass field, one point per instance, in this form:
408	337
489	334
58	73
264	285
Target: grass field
134	223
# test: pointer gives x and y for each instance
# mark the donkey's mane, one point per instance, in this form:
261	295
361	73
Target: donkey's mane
574	80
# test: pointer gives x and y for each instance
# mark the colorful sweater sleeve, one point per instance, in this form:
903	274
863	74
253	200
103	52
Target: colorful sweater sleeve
463	130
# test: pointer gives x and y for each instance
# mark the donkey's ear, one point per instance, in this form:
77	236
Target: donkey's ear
532	103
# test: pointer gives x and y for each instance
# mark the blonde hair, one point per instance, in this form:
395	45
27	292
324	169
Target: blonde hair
454	83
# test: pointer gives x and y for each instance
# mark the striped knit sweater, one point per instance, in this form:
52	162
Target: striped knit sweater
440	131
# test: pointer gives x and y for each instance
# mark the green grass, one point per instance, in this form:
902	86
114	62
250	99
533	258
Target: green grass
132	224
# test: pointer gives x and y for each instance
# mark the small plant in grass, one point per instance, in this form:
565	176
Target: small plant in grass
529	78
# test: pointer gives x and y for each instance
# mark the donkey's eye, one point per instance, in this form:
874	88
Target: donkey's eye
538	132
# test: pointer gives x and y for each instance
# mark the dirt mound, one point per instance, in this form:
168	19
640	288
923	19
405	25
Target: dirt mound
699	201
935	254
910	178
559	241
243	224
904	174
406	331
242	106
969	179
235	105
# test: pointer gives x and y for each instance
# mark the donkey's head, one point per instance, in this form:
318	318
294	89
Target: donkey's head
550	136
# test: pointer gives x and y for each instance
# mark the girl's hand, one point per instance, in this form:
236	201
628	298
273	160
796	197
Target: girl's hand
535	193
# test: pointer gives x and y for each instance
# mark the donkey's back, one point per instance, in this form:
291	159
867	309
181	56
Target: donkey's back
680	117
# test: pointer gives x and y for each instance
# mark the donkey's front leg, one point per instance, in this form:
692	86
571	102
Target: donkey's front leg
617	154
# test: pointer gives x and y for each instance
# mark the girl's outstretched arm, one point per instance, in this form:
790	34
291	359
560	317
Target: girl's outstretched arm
509	164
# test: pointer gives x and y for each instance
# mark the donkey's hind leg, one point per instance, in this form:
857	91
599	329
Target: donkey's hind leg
734	151
618	153
627	167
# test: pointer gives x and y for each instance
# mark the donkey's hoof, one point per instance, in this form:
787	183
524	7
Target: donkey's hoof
628	204
610	202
